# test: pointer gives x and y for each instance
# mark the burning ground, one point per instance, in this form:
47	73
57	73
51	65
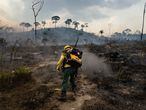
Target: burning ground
112	78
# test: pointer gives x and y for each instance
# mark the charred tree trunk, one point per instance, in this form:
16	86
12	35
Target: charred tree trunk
35	29
143	23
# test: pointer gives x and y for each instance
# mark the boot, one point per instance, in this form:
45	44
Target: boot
63	96
74	91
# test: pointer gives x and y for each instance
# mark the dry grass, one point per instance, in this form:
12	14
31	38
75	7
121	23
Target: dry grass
16	77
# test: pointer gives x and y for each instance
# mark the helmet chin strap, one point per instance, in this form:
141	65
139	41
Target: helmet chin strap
68	50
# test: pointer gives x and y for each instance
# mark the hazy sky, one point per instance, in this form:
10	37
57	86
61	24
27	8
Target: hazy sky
100	14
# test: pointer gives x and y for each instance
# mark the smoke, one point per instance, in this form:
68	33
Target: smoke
7	22
94	66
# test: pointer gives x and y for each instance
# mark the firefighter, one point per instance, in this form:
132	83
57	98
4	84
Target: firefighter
68	72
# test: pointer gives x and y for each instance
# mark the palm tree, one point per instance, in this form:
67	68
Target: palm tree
82	26
101	32
37	24
68	22
76	24
22	24
27	25
55	19
9	29
86	25
44	23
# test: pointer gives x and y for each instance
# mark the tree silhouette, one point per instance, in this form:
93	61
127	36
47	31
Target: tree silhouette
86	25
44	23
36	8
55	19
22	24
82	27
101	32
76	24
37	24
68	22
9	29
28	25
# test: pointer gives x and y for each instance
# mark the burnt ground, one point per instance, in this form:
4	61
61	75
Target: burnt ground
124	89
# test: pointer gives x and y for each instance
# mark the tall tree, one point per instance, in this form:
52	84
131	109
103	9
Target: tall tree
22	24
143	22
86	25
76	24
36	8
55	19
82	27
9	29
28	25
37	24
68	22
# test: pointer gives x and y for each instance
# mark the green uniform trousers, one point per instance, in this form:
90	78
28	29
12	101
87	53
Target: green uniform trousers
68	73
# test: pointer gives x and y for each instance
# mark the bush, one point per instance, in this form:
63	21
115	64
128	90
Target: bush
11	79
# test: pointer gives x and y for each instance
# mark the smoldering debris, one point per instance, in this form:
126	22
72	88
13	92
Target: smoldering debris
94	66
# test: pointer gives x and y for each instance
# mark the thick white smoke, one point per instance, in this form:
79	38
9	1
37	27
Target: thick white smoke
94	66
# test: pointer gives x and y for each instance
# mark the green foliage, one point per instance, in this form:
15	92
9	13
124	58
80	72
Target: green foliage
11	79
